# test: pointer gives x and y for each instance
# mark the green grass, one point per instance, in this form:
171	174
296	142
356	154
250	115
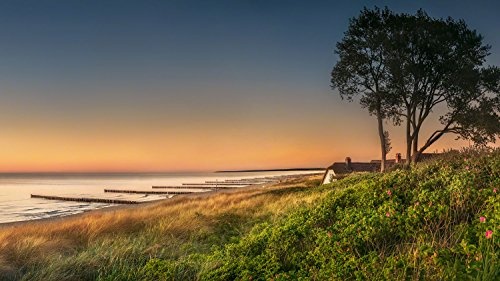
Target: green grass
421	223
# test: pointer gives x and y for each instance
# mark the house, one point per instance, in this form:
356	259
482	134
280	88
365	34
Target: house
339	169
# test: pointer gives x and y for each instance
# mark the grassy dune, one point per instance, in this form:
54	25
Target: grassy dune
439	220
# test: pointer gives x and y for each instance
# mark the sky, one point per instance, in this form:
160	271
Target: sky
181	85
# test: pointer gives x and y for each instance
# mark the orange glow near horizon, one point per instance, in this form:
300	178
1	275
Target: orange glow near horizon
247	143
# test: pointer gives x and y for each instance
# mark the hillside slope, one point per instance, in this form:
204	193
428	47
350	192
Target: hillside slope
437	221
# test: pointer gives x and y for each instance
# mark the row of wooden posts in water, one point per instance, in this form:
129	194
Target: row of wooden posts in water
201	187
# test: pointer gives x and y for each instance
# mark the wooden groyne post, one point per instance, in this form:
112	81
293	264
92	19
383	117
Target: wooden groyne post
216	184
183	187
228	183
148	192
84	199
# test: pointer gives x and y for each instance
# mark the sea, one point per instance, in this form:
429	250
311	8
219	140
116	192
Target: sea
17	205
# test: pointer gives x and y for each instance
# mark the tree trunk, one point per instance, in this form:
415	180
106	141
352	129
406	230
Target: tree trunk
382	140
408	139
415	154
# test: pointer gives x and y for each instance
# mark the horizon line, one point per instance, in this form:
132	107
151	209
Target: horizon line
155	172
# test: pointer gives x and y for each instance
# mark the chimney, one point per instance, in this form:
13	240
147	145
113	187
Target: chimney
348	163
398	158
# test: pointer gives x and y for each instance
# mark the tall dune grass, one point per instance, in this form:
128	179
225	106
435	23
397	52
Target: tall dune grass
96	244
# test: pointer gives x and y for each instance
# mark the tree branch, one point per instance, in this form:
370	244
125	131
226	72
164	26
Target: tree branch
438	134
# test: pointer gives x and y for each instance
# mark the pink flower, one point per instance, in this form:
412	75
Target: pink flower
494	190
387	214
467	167
389	192
482	219
417	203
488	234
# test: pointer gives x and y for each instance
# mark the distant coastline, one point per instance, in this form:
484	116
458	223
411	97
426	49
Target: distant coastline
270	170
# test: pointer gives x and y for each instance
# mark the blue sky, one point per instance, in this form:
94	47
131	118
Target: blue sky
212	74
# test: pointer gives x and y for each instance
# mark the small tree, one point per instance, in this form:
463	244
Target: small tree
388	144
361	69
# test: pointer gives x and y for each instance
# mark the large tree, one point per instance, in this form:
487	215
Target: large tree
428	65
438	65
361	69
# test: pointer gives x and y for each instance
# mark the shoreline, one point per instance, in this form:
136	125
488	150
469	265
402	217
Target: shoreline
115	208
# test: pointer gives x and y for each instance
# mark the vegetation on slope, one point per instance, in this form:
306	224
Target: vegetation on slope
437	221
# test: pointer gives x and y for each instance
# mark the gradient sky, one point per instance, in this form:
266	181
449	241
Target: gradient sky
188	85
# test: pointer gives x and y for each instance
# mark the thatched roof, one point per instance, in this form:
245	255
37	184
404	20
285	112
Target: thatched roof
341	167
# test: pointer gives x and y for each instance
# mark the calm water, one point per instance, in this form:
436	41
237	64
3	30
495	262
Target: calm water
15	190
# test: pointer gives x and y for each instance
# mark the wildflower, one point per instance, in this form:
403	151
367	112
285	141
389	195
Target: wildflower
417	203
467	168
494	190
329	234
387	214
482	219
389	192
488	233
